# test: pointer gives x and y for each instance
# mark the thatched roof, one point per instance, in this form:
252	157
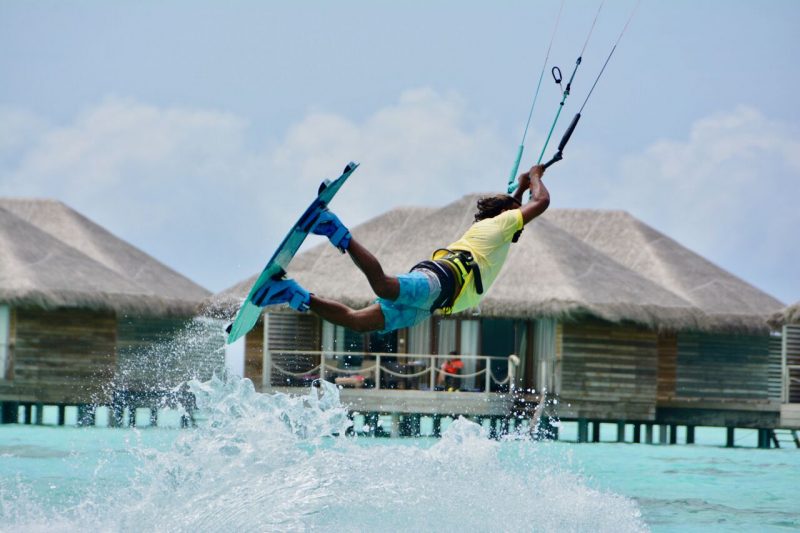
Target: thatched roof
726	301
790	315
55	257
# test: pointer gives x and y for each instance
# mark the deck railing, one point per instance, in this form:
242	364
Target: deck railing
388	370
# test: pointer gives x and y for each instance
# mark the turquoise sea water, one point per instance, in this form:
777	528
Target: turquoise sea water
268	463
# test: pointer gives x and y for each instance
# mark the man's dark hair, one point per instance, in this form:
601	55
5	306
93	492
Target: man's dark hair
491	206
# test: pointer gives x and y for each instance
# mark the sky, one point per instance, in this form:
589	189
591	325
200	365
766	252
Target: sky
199	131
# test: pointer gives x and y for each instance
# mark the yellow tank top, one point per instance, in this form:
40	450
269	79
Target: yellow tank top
488	241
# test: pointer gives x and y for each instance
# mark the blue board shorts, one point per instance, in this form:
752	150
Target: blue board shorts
418	292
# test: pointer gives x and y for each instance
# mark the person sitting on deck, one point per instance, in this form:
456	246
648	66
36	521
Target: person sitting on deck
455	279
447	379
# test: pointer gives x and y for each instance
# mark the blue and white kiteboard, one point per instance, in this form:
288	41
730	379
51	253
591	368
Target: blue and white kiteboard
249	312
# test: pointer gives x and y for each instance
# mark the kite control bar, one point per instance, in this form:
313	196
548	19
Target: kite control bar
564	140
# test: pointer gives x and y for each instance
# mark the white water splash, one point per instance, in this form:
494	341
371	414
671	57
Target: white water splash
264	462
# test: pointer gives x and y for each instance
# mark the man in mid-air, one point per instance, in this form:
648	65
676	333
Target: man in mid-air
454	279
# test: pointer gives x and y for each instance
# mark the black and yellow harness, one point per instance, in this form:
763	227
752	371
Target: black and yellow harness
451	267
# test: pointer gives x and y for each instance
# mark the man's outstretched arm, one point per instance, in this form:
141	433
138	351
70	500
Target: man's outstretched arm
540	196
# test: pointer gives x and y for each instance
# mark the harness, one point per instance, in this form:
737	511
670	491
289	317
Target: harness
452	269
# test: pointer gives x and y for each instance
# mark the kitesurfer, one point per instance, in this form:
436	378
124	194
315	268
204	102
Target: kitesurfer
454	279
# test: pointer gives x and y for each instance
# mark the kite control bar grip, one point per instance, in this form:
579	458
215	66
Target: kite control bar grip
568	133
564	140
556	158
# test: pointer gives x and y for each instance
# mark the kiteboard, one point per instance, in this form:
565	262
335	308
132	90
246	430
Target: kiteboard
276	268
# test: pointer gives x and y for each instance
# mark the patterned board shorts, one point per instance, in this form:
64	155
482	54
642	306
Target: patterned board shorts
418	292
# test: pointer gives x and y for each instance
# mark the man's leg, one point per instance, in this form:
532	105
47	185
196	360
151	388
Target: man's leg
368	319
384	286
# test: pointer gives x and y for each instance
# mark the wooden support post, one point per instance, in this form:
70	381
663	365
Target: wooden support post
596	431
28	408
673	434
10	413
437	425
774	438
395	431
662	433
763	438
689	434
86	415
729	438
583	430
154	416
132	416
648	433
505	425
62	411
39	414
492	427
115	418
620	431
637	433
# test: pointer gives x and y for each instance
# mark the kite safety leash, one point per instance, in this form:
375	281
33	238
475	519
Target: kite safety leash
513	175
559	155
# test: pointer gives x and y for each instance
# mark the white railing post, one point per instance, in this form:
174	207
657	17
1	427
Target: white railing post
513	362
377	372
322	365
266	357
432	362
488	372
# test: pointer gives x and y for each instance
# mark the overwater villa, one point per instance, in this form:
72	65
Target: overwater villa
612	318
79	309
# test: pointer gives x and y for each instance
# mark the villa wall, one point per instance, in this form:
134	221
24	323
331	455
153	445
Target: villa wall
60	356
608	371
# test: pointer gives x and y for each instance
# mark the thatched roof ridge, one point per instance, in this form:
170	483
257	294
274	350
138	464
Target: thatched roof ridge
94	241
728	302
789	315
46	263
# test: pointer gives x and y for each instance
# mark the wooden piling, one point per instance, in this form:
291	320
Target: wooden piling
583	430
437	425
9	413
154	416
637	433
729	441
87	415
505	425
662	433
596	431
620	431
689	434
773	437
673	434
648	433
62	411
39	414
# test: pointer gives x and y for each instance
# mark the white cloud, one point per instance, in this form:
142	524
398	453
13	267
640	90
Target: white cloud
730	191
188	186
